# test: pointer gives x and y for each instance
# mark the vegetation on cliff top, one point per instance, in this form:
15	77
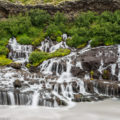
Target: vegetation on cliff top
34	26
34	2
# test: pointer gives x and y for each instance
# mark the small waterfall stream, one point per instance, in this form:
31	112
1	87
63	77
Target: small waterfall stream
19	53
57	83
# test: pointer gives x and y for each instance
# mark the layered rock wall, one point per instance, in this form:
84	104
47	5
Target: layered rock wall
69	7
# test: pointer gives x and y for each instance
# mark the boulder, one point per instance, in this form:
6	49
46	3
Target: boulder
16	65
17	84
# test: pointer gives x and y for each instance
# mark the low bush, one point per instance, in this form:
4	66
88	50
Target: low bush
37	57
53	32
3	50
77	40
24	39
4	61
39	18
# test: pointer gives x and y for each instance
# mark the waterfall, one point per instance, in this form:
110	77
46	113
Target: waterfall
19	53
12	99
113	68
35	99
55	83
119	62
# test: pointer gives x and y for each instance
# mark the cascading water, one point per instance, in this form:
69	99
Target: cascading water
12	99
119	62
19	53
56	84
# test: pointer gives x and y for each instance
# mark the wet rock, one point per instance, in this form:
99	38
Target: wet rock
61	102
107	75
75	87
17	84
89	86
33	69
54	67
77	72
91	65
77	97
96	75
16	65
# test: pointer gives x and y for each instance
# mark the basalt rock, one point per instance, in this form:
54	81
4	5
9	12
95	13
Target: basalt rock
33	69
16	65
68	7
97	61
77	72
17	84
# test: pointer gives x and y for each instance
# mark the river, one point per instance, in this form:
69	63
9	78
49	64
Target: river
102	110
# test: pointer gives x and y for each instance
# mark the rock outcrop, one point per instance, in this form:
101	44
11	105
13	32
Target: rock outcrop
69	7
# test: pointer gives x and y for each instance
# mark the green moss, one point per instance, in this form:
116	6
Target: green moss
91	74
4	61
37	57
106	74
82	45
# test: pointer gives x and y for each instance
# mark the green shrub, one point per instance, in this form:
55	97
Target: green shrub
4	41
4	61
84	19
77	40
37	57
33	31
59	18
38	38
18	24
39	18
106	16
97	41
53	31
117	16
59	53
3	50
59	39
24	39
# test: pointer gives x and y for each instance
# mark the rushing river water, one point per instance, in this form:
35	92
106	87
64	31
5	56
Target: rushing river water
103	110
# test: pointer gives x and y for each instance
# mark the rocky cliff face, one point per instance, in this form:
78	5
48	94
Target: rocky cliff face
70	8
